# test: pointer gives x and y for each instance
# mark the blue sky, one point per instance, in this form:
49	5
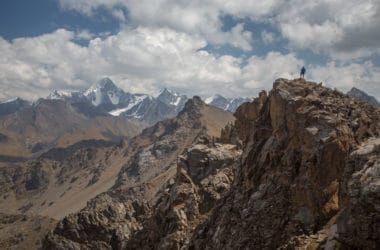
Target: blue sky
234	48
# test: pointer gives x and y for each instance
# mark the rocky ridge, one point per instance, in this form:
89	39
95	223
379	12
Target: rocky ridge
150	162
297	185
297	169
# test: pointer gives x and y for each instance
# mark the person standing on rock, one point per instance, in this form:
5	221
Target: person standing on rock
302	73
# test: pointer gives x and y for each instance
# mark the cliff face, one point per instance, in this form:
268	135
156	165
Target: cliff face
298	183
359	219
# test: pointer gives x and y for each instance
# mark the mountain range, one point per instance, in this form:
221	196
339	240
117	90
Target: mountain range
295	168
105	97
102	112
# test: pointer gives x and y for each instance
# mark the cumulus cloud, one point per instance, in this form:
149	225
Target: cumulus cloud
141	60
364	76
260	72
84	35
161	44
192	17
268	37
343	29
148	59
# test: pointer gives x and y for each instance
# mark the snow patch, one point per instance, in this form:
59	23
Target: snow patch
114	97
176	102
10	100
97	98
210	99
138	100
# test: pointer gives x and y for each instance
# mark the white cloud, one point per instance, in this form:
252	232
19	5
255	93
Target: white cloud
84	35
268	37
364	76
316	36
119	14
147	59
192	17
143	58
260	72
344	29
140	60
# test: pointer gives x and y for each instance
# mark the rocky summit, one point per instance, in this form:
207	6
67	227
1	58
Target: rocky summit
309	174
296	168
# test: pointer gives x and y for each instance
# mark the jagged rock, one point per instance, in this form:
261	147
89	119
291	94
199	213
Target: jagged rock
296	142
204	175
106	223
246	114
359	220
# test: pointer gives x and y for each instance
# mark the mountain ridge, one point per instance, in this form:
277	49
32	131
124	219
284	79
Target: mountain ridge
363	96
296	183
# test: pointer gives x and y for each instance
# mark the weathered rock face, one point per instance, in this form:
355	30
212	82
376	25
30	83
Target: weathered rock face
359	220
204	175
106	223
246	115
286	194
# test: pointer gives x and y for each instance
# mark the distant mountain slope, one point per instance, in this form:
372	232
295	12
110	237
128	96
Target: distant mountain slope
361	95
64	180
57	123
12	106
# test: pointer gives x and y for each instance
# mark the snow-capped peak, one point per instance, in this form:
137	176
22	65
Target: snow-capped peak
103	92
104	84
171	98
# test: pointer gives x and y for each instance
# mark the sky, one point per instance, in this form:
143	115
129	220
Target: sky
200	47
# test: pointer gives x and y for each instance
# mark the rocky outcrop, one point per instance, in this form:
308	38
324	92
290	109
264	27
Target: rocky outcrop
286	195
106	223
204	175
358	223
246	115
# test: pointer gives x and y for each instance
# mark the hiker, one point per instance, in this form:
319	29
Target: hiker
303	71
